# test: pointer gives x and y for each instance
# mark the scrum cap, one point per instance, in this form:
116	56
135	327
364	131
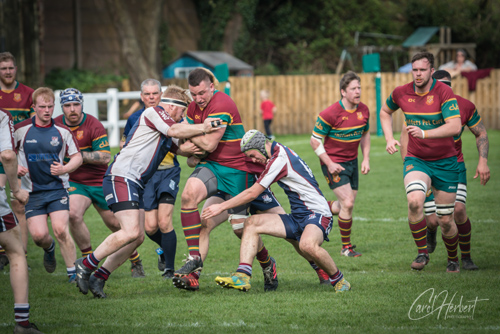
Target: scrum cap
71	95
254	140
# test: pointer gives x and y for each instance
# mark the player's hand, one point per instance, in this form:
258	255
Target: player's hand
335	168
57	169
415	131
192	161
391	146
21	195
211	124
189	147
365	167
483	171
211	211
21	171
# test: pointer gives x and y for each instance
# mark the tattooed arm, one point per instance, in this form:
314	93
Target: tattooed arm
96	157
482	143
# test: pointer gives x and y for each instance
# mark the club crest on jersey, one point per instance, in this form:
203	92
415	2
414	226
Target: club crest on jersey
79	135
430	100
267	199
409	167
54	141
360	115
17	97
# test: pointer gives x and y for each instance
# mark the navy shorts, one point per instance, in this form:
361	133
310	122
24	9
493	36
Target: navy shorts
118	189
163	181
45	202
295	225
265	201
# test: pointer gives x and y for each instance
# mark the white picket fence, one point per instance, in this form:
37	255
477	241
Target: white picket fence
112	123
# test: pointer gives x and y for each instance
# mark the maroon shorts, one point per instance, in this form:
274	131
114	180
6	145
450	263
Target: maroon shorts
8	222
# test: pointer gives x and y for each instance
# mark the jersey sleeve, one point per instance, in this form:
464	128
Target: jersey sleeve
100	139
274	171
6	132
71	143
391	102
474	119
449	107
158	119
321	127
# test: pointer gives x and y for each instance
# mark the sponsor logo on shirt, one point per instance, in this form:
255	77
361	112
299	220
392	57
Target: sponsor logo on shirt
345	118
54	141
31	141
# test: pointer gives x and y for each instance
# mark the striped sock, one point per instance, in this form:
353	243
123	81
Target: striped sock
419	232
91	262
263	257
22	314
337	277
452	247
70	271
191	225
464	236
345	226
102	273
51	247
135	257
245	268
86	251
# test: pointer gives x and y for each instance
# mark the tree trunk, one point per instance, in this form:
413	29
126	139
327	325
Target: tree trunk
138	38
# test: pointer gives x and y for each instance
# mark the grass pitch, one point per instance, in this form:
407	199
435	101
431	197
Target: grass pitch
386	295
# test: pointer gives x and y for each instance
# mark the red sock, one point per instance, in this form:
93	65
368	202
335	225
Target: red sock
464	236
419	232
345	226
191	224
263	257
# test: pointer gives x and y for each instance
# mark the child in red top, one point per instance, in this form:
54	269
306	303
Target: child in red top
267	109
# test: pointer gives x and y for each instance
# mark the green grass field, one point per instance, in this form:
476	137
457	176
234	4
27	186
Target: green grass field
386	295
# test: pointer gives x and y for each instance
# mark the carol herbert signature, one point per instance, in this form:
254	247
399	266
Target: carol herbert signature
430	303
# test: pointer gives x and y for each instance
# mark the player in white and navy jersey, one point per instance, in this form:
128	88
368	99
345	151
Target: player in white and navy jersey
308	224
10	231
151	138
42	146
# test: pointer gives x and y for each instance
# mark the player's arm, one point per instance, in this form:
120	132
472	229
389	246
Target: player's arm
483	145
244	197
317	145
96	157
182	130
404	141
210	141
386	123
75	160
9	161
365	150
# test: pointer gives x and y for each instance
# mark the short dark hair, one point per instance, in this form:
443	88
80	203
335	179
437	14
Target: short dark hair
347	78
443	76
421	55
198	75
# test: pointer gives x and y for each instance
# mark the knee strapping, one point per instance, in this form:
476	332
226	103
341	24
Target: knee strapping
461	193
416	186
429	208
239	225
445	209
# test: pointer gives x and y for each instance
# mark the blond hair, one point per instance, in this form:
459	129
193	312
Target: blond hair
45	92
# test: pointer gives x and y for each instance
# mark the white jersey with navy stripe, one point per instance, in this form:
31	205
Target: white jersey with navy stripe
38	148
146	146
6	143
297	179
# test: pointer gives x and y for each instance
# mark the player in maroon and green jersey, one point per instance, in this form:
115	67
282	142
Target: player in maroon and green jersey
433	118
470	118
16	99
223	168
344	126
